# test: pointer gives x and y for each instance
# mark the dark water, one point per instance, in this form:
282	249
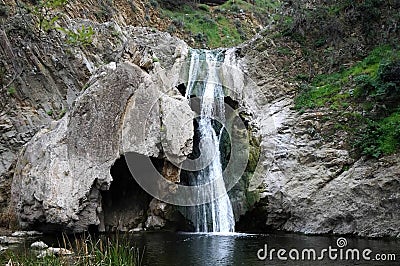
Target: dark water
241	249
167	248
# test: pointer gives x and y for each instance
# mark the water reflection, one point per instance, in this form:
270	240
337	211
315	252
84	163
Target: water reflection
199	249
166	249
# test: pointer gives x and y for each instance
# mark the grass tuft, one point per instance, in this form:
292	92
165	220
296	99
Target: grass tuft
105	251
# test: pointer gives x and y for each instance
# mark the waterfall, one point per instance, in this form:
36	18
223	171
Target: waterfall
217	215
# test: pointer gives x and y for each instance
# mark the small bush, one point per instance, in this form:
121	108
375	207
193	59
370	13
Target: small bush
381	137
11	91
43	11
82	36
171	29
4	10
220	10
154	3
390	72
200	37
178	22
235	8
208	20
204	7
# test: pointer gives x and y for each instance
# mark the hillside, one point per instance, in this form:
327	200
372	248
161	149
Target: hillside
326	72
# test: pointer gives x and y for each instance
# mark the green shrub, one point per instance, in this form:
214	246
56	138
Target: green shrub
82	36
381	137
154	3
235	8
11	91
203	7
200	37
171	29
178	22
4	10
43	11
371	88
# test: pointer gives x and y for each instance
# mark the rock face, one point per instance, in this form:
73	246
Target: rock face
314	187
62	172
306	183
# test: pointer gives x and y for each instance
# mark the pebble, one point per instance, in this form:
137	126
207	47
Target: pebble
39	245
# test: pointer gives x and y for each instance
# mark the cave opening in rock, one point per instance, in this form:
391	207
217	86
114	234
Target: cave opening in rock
182	89
125	204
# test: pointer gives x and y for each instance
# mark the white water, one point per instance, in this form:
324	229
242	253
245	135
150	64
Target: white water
216	216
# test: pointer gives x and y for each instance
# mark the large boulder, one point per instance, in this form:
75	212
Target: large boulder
60	173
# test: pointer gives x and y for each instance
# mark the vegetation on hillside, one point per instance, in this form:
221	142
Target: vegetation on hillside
345	57
368	94
219	26
350	49
353	57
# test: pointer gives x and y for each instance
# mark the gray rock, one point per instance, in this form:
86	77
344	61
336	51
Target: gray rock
55	252
139	228
39	245
26	234
66	166
53	74
155	222
307	184
10	240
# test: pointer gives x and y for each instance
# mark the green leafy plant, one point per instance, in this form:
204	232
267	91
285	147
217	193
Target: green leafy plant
11	91
44	12
81	36
62	113
380	137
204	7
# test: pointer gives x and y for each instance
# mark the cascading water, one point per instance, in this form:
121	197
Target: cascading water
217	215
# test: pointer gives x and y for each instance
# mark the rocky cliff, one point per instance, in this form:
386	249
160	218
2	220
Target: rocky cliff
74	105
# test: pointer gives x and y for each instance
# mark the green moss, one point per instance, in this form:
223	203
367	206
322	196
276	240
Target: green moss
252	197
318	96
254	155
